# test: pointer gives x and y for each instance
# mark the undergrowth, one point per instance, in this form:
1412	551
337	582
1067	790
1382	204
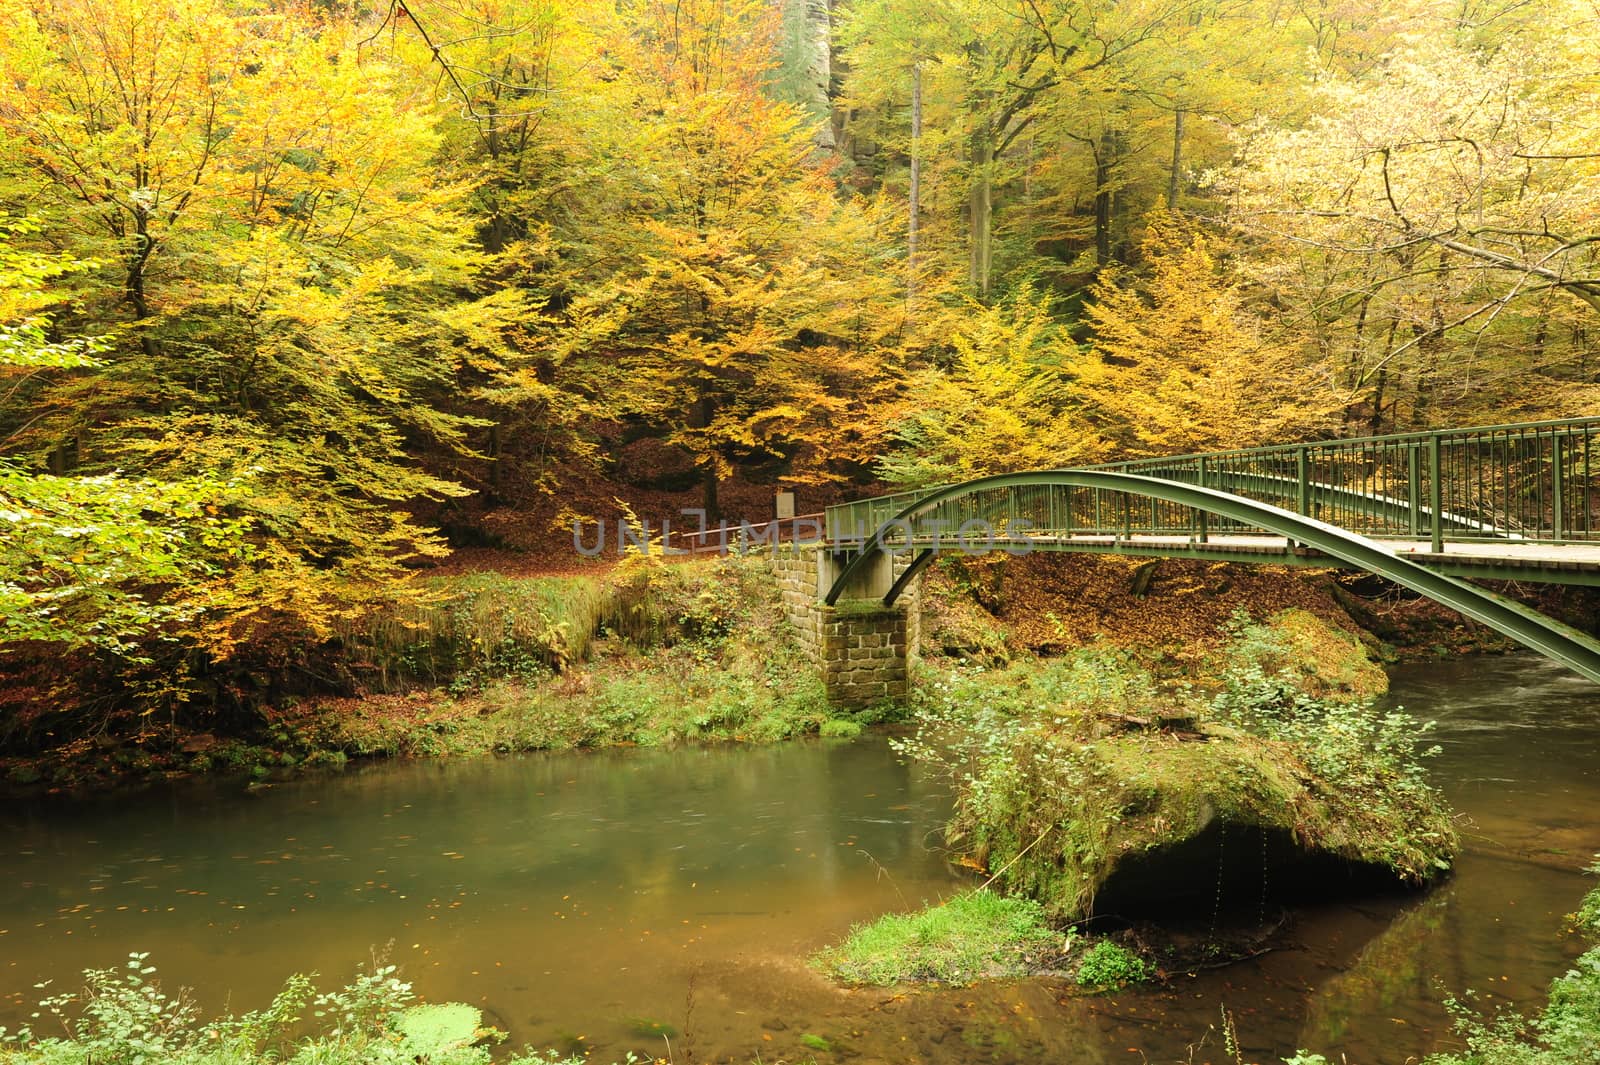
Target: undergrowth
124	1017
652	653
468	629
678	652
1565	1032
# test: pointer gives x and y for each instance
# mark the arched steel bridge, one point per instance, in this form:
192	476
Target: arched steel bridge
1425	510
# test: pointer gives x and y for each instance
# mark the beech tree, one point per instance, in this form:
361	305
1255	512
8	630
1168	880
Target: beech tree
722	288
996	70
98	562
1433	222
1176	367
289	284
1002	403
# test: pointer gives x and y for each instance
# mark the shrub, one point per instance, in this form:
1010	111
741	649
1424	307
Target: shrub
1107	966
123	1017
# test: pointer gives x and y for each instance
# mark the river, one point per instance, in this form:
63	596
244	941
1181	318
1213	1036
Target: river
629	899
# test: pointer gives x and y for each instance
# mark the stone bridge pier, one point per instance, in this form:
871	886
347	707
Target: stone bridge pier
862	647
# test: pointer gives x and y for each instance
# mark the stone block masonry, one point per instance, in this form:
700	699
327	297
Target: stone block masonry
861	647
864	656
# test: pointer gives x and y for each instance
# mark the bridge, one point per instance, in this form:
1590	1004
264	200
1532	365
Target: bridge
1429	511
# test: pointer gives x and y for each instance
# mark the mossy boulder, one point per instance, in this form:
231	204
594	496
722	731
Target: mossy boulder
1062	817
1322	659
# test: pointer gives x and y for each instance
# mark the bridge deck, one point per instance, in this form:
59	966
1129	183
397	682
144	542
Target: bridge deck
1500	560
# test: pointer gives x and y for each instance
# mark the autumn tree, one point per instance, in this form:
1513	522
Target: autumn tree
1000	404
1176	367
990	73
291	288
1432	224
92	562
720	287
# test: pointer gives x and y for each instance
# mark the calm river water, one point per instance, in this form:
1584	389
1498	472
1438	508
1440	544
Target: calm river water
596	900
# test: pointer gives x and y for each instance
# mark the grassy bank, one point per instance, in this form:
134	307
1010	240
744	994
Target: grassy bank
974	936
669	653
649	654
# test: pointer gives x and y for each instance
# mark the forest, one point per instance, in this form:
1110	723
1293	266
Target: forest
300	296
328	327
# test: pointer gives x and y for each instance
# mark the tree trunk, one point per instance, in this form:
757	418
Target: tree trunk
980	208
492	497
1102	200
1375	415
704	409
1120	250
1177	160
708	494
137	263
916	184
1110	202
1375	420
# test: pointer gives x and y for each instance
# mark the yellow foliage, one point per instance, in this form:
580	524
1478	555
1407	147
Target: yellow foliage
1000	406
1176	367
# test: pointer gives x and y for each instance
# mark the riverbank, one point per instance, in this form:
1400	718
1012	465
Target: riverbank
650	653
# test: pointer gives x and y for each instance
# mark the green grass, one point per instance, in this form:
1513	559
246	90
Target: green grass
974	936
840	728
468	628
651	655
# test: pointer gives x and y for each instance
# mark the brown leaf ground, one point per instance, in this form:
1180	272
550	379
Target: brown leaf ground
1046	603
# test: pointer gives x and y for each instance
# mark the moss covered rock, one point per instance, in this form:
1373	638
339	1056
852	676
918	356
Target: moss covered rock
1063	817
1274	773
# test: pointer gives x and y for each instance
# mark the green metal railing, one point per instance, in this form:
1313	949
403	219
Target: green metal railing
1558	641
1534	482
